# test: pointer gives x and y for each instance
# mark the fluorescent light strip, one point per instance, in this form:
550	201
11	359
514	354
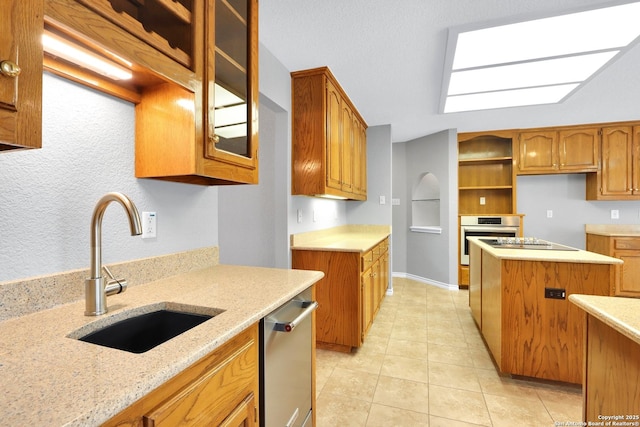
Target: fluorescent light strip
589	31
508	98
63	48
528	74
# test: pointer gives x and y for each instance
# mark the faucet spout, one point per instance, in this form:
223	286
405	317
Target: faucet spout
95	288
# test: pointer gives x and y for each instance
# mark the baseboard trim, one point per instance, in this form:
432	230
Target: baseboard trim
425	280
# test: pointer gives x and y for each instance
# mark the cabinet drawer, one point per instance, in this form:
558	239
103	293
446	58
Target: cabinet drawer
367	260
627	243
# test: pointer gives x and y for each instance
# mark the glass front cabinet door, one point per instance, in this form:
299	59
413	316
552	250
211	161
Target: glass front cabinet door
231	97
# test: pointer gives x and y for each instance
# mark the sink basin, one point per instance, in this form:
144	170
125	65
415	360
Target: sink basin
145	331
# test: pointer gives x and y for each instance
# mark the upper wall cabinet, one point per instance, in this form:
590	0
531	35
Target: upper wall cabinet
619	176
558	151
195	80
329	138
21	74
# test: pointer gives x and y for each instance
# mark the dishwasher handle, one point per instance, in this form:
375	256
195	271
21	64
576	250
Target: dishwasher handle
309	307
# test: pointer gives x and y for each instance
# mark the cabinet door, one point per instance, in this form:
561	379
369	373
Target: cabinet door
21	74
347	148
635	160
231	77
244	414
579	150
538	152
617	161
367	301
334	135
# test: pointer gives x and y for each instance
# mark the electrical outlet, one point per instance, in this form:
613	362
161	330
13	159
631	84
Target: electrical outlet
549	213
615	214
148	225
299	216
483	201
383	200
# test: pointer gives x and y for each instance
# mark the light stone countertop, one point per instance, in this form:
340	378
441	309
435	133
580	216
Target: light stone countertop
622	314
350	238
50	379
578	256
613	230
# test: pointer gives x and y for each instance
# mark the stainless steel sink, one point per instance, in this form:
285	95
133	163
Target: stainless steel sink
140	333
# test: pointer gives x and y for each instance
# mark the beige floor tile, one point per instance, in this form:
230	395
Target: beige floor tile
481	358
348	383
453	337
381	329
446	422
323	372
405	368
334	410
403	394
454	376
409	332
511	411
387	416
374	344
363	361
564	404
413	349
460	405
494	384
449	354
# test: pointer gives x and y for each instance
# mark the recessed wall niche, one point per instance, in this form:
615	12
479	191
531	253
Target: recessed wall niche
425	204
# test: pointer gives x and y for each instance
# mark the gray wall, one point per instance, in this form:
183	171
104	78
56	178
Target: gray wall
565	196
48	195
429	257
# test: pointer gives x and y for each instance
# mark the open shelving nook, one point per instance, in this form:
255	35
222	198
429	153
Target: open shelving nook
486	181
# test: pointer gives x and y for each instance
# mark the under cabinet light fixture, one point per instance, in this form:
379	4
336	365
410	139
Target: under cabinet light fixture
540	61
65	49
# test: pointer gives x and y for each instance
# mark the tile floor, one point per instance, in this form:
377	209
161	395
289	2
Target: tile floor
424	364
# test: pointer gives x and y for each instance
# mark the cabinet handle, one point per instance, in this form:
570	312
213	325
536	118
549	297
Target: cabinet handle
9	69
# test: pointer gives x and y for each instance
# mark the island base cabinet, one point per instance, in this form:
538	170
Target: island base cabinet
611	374
219	389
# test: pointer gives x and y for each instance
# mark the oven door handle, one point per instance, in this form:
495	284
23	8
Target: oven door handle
309	307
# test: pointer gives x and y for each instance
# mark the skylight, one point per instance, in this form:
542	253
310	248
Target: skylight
541	61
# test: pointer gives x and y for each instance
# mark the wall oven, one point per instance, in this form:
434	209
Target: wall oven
485	226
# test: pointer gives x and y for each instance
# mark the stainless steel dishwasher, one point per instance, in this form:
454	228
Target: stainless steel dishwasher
285	364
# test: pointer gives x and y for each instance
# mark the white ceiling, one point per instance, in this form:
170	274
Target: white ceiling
388	55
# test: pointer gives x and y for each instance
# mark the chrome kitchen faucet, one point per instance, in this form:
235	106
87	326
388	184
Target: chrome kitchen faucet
96	291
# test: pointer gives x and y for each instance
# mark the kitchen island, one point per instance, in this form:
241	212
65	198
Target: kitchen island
49	378
518	299
611	385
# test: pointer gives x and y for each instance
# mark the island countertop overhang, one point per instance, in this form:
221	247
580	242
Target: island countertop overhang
579	255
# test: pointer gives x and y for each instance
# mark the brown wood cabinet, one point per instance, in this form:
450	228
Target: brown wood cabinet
21	74
558	151
486	180
220	389
627	280
194	64
329	138
611	374
350	293
619	176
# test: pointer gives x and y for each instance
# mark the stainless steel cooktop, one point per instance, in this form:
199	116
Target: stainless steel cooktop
526	243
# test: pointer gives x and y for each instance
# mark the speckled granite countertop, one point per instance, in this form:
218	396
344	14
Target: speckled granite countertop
622	314
50	379
614	230
579	256
349	238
